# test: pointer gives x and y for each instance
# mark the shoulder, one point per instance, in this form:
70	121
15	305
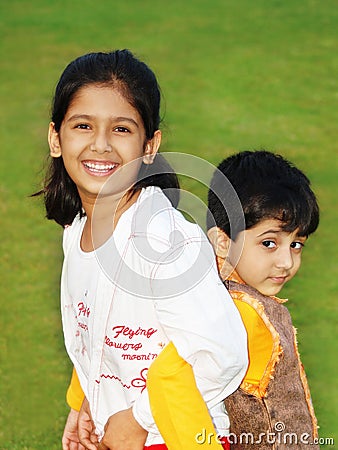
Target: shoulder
71	232
253	306
156	216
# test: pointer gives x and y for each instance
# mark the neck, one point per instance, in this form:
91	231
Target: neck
103	214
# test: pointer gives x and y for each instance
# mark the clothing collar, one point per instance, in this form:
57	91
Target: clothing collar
233	276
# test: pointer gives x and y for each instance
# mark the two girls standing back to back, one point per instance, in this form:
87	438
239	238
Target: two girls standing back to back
136	275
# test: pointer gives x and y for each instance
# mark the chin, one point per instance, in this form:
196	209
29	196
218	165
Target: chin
270	292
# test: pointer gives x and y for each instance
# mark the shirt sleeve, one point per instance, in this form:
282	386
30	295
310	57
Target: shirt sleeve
200	318
142	412
179	410
75	394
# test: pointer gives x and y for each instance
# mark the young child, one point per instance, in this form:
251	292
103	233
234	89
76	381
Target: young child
272	408
280	211
137	277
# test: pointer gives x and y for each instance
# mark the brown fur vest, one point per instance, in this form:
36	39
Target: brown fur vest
281	416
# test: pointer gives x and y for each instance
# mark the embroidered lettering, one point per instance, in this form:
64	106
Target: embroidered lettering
83	309
149	357
126	331
123	346
83	326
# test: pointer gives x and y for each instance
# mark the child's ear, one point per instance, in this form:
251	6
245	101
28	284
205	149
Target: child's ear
220	241
152	147
54	141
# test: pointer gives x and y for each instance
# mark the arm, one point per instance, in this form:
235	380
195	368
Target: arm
70	439
177	407
123	432
176	403
75	396
207	330
202	321
198	316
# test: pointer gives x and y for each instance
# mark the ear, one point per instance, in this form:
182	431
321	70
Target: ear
220	241
152	147
54	141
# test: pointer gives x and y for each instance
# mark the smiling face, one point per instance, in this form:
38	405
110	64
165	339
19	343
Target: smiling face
270	256
101	134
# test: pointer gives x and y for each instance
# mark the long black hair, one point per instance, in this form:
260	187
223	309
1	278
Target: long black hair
138	84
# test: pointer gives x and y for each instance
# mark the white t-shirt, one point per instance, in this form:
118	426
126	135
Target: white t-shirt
154	281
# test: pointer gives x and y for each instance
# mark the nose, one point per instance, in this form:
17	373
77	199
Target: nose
101	144
284	259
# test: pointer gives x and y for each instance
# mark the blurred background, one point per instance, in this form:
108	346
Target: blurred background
235	75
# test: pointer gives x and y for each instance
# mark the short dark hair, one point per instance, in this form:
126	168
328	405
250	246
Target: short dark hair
119	69
269	187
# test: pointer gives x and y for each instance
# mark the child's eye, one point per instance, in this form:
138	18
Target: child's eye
121	129
82	126
297	245
269	244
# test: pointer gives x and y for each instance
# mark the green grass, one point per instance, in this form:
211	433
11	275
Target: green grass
235	75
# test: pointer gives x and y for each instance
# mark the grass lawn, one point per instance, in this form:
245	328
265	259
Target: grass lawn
235	75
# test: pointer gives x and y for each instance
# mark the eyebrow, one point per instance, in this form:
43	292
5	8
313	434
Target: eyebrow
115	119
275	231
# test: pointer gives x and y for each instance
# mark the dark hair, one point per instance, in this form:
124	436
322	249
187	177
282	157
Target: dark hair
137	83
268	187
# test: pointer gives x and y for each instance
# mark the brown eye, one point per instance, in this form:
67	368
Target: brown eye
269	244
297	245
121	129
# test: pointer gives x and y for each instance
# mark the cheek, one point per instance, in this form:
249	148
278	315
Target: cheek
246	271
296	264
236	252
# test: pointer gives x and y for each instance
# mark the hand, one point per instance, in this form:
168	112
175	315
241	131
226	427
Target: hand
70	439
86	428
123	432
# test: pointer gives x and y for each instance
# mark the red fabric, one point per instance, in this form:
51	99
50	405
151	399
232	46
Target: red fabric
224	440
225	443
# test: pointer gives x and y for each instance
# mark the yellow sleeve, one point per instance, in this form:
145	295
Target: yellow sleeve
263	348
260	342
178	408
75	394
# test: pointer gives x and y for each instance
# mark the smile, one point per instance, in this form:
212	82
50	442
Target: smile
99	168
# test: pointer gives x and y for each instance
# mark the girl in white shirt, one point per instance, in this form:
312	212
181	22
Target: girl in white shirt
136	274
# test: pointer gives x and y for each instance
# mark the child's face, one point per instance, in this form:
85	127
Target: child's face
270	256
101	133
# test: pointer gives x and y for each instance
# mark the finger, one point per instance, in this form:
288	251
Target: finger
74	446
87	444
101	446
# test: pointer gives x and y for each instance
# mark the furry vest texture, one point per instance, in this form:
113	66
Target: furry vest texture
282	416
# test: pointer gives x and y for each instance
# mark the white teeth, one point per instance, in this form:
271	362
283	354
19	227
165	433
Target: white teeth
97	166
